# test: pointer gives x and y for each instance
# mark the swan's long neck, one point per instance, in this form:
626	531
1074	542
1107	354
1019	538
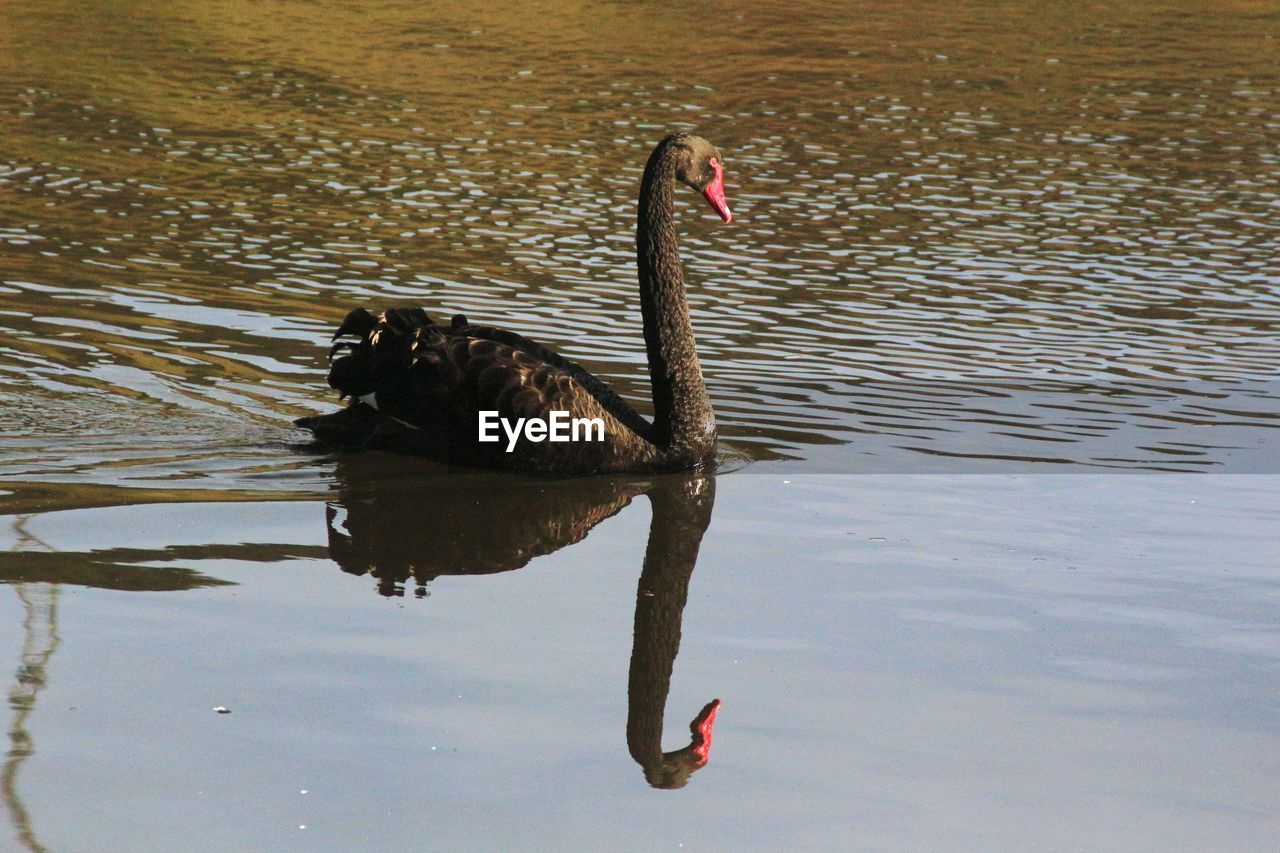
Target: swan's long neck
684	423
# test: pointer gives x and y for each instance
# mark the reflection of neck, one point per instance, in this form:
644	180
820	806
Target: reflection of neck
675	534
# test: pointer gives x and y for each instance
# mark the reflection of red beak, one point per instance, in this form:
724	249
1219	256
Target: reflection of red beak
715	194
700	728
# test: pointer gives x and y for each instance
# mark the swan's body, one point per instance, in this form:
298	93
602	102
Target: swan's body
419	388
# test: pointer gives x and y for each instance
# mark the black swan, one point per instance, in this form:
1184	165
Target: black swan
418	388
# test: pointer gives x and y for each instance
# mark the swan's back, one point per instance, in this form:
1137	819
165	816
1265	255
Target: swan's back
420	388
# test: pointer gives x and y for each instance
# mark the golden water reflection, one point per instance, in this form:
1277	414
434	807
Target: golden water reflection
192	196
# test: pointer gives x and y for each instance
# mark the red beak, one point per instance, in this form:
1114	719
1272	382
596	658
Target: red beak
715	192
701	725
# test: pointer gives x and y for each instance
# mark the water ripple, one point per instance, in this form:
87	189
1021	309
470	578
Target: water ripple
1061	256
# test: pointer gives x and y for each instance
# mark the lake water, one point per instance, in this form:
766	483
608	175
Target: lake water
991	560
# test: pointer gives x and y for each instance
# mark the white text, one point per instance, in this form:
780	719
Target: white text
558	427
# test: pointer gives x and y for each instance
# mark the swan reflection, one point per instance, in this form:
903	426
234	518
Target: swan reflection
397	532
40	640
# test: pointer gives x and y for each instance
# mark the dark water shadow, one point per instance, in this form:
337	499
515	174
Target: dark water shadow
402	530
32	560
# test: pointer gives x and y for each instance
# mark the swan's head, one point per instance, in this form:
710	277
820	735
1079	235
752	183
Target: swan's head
699	164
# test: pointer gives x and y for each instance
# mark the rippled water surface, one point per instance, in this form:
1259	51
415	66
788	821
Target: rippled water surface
994	239
944	249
